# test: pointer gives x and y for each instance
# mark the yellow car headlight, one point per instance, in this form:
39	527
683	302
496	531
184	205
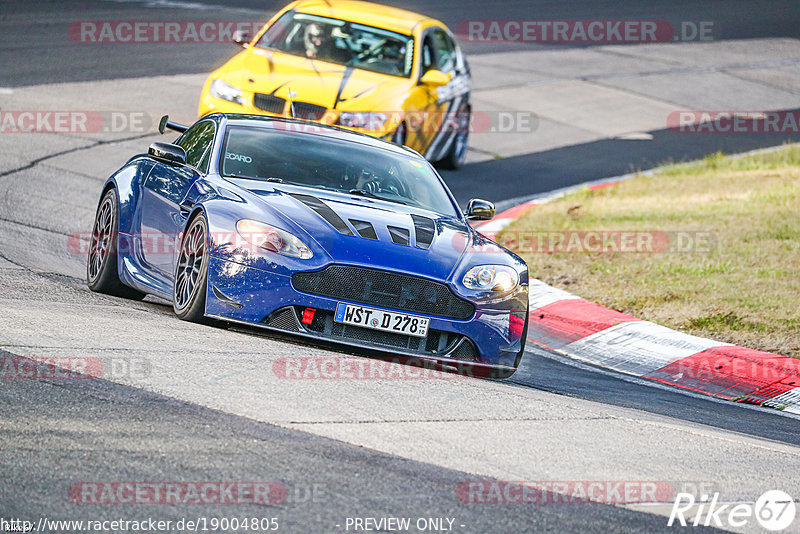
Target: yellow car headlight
225	91
366	120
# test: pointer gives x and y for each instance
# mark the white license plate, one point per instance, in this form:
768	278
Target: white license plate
399	323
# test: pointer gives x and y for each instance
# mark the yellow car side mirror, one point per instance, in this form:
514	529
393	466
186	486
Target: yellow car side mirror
242	38
436	78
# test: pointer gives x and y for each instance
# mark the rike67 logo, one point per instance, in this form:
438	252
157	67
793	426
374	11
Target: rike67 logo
774	510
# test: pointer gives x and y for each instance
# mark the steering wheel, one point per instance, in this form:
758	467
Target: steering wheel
391	183
371	50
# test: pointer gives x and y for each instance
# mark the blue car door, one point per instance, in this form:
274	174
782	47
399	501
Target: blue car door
163	207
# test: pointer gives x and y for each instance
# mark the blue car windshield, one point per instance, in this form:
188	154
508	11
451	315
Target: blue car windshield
328	163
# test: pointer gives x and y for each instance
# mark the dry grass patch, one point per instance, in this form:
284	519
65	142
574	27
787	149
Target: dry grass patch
742	286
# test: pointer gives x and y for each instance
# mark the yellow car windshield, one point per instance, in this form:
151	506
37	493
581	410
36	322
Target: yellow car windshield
341	42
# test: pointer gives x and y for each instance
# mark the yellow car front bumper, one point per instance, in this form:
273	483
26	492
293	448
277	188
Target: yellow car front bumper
210	104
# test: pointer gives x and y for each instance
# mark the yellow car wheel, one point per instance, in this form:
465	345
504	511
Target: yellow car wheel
399	135
457	154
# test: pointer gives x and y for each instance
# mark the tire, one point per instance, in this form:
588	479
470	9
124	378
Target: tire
454	159
102	275
191	272
400	134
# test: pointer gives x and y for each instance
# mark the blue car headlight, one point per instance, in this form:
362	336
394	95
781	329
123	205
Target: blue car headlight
491	278
273	239
225	91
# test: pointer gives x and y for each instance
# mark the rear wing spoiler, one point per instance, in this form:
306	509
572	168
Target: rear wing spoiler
165	123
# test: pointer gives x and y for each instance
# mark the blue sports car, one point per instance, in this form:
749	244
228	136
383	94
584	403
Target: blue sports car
311	230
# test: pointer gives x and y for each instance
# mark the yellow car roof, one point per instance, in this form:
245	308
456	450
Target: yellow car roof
367	13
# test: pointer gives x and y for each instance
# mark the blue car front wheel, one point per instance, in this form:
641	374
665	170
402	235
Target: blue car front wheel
191	272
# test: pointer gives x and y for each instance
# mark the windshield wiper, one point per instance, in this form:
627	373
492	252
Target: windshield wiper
256	178
245	176
364	193
305	186
370	194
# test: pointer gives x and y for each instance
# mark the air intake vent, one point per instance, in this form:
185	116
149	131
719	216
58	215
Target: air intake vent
401	236
269	103
465	351
324	211
424	230
284	319
309	112
364	229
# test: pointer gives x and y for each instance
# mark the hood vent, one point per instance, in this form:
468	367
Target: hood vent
324	211
364	229
424	230
400	236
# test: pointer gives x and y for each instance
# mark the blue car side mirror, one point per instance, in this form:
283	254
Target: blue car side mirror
168	153
480	210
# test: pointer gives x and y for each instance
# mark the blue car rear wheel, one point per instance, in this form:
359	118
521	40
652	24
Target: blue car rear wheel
101	262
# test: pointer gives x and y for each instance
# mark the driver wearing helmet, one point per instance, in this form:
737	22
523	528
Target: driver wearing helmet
320	44
313	40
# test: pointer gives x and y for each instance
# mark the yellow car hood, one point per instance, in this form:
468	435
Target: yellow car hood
317	82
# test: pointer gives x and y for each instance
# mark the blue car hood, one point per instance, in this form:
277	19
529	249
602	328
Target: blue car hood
364	231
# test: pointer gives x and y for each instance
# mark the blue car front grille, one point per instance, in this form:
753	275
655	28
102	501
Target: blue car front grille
384	289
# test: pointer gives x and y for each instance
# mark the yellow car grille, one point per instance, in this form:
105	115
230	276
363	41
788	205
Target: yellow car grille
269	103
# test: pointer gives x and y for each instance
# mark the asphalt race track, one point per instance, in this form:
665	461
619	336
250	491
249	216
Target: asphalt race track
51	58
208	406
182	441
35	31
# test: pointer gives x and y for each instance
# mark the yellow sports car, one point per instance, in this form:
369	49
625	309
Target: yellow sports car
374	69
